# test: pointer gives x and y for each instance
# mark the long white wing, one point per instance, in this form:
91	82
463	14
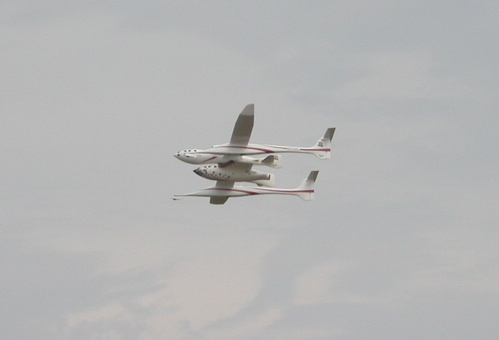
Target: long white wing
244	125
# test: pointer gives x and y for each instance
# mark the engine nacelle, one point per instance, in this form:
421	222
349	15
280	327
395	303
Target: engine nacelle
217	173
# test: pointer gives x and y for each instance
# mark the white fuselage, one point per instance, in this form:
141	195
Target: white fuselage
226	152
230	173
194	156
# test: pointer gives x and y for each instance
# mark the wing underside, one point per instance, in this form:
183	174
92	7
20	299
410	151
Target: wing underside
243	127
221	199
236	166
218	199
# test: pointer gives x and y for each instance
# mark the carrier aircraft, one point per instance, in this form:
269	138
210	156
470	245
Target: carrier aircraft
233	162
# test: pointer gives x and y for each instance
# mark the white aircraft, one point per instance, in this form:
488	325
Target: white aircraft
233	161
223	190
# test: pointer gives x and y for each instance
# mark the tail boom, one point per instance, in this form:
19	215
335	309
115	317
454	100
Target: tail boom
305	191
321	149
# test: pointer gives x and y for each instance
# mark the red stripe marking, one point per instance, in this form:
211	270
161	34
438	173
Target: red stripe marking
246	148
279	147
268	190
244	191
291	191
209	159
326	150
270	151
224	165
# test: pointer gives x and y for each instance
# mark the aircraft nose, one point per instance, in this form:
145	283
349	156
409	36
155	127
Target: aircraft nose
197	171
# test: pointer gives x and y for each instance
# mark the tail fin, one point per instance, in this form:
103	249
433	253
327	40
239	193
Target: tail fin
322	149
266	182
306	189
273	161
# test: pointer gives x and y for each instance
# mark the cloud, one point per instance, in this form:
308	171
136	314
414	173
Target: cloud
315	285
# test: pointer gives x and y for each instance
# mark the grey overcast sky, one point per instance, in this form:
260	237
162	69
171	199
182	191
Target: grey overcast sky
401	242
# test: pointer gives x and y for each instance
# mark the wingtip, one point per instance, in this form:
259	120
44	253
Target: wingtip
249	110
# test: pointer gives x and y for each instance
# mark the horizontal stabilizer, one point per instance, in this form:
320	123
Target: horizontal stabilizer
273	161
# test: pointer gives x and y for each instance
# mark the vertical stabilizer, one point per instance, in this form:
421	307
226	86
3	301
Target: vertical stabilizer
322	149
306	189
